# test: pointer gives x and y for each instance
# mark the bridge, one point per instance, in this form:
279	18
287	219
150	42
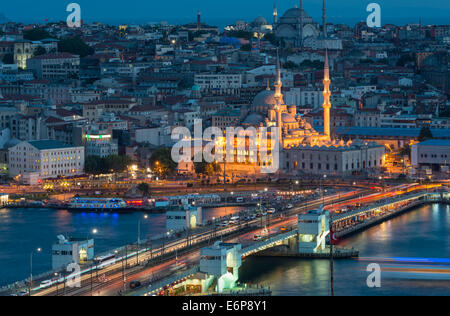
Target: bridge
130	265
345	224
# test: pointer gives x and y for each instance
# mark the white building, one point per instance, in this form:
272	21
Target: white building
313	227
186	219
54	66
222	260
433	154
338	160
71	250
219	83
48	157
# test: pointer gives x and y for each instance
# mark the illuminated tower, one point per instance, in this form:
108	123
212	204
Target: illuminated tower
199	24
326	97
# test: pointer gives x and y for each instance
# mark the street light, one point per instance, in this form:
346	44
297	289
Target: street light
139	238
38	250
94	232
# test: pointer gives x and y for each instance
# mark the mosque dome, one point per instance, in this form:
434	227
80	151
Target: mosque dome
288	118
292	16
265	99
254	119
260	21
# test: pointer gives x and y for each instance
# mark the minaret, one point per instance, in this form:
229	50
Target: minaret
279	98
275	13
199	22
324	18
326	98
278	84
300	26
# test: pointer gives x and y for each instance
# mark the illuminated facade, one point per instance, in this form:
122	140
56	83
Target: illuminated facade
100	145
49	158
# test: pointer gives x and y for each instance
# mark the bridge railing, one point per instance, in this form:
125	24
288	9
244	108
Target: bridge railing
268	242
159	285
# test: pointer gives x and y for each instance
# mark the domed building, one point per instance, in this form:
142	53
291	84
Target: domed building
289	27
269	109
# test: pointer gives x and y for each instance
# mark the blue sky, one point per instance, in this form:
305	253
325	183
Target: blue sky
223	12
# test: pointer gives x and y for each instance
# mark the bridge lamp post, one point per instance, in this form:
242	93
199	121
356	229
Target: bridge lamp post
139	238
94	232
38	250
323	193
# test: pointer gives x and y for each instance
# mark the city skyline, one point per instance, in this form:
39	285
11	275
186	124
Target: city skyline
353	11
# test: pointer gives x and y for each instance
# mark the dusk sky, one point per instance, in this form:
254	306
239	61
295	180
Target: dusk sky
223	12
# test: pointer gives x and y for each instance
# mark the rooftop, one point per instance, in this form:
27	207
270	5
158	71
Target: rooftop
48	144
435	142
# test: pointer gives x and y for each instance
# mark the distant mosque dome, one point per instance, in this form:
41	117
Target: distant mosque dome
292	16
260	21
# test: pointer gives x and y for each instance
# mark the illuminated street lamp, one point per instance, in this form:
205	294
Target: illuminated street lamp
38	250
139	238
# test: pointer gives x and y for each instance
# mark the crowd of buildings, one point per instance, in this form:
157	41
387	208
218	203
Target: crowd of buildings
338	94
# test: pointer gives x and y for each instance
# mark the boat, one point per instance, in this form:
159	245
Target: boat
98	204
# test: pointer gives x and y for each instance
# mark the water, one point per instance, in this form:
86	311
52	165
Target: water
24	230
423	233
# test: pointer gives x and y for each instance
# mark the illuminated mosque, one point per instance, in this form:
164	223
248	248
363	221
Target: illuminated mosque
305	150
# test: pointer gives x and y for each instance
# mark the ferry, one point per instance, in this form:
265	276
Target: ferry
98	204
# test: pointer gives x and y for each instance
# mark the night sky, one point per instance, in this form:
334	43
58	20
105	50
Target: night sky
225	12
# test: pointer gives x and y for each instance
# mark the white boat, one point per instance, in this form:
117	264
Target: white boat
97	204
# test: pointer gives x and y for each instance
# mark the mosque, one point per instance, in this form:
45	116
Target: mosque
298	29
304	150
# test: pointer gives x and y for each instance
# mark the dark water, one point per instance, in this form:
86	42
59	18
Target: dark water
422	233
24	230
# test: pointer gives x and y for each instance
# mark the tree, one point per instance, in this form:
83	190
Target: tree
162	163
98	165
144	188
425	134
40	51
93	165
36	34
117	163
8	59
405	150
270	37
75	45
